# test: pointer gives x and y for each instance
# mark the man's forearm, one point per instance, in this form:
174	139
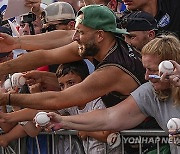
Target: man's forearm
48	40
50	100
33	60
21	115
23	63
86	121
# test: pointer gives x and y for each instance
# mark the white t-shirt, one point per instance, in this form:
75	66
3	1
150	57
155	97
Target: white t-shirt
91	145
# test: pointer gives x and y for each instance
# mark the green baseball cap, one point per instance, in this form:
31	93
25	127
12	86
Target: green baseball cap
99	17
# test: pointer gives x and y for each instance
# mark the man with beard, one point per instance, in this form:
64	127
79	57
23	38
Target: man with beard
94	38
116	74
157	98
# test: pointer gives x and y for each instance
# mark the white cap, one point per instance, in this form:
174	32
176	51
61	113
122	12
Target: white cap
59	11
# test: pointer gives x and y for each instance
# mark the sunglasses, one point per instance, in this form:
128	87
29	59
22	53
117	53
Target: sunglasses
52	27
133	17
49	28
125	21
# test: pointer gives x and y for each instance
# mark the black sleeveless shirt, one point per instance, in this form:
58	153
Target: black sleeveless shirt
124	57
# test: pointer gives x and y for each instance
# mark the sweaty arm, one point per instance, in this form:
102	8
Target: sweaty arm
39	58
18	116
47	40
124	115
97	84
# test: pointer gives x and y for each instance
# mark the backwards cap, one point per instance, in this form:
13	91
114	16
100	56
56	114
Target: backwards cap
139	21
59	11
99	17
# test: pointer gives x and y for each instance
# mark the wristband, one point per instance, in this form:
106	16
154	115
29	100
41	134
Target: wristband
23	123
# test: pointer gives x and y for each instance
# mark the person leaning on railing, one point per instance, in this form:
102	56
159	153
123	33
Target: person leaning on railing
156	98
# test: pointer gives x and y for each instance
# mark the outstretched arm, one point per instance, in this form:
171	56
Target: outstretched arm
39	58
31	129
13	134
76	95
18	116
47	40
125	115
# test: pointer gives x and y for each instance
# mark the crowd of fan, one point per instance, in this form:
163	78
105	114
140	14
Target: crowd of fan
121	49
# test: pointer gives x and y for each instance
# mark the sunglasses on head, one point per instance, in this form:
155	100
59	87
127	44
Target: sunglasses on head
125	21
49	28
132	17
52	27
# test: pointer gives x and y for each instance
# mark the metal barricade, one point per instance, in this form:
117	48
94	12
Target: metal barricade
125	137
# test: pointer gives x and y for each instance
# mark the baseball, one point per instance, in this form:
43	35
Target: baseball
173	124
18	80
7	84
166	66
42	119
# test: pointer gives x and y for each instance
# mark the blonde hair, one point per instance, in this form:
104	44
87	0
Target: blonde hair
166	47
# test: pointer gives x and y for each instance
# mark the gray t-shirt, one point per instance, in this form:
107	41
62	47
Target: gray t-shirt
150	105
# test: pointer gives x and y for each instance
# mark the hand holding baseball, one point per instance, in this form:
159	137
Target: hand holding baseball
55	122
41	119
174	76
173	126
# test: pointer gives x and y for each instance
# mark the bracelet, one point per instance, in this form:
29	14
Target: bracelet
9	99
23	123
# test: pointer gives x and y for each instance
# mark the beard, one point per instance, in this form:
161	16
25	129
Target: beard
88	49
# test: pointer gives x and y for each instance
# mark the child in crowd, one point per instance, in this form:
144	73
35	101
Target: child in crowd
68	75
